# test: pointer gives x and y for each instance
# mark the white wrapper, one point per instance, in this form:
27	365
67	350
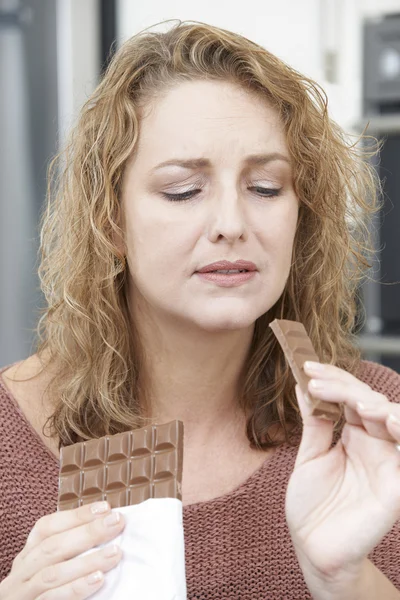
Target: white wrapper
153	563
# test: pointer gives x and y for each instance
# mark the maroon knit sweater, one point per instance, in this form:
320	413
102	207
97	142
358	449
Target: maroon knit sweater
237	546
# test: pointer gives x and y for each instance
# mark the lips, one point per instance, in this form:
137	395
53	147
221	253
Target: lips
223	265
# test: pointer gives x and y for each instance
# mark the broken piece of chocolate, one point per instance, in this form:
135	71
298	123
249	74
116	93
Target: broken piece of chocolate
298	348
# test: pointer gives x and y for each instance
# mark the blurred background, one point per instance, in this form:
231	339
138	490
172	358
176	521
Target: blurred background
52	55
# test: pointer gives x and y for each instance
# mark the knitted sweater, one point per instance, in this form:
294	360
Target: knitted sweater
237	546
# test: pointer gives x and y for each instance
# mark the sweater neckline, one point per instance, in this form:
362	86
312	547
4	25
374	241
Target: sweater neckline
269	463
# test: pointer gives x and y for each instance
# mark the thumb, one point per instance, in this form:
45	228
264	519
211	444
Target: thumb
317	433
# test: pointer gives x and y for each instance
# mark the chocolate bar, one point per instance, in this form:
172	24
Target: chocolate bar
125	468
298	348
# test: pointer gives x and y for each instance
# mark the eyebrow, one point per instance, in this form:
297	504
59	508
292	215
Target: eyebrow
196	163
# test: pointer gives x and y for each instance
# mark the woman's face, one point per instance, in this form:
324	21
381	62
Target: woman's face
210	180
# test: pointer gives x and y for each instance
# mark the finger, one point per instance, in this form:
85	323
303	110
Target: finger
326	371
372	452
317	433
393	425
376	429
383	418
337	391
371	425
352	417
379	410
68	544
76	590
379	464
66	572
351	394
63	521
374	423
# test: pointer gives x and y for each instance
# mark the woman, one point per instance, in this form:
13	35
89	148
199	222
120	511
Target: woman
197	147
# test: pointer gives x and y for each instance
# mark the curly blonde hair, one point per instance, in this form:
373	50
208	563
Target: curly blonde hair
86	330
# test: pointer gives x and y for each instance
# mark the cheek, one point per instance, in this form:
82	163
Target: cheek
159	245
281	238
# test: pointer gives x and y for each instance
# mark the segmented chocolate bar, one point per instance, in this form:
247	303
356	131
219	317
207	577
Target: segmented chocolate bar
125	468
298	348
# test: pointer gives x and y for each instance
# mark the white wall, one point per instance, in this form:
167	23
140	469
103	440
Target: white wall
78	57
298	31
286	27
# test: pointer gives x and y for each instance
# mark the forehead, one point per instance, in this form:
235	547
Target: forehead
205	116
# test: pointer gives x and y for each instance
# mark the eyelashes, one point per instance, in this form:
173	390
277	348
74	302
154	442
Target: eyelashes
185	196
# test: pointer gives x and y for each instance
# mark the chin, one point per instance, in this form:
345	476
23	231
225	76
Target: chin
225	322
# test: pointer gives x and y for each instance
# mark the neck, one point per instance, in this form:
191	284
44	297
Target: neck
195	376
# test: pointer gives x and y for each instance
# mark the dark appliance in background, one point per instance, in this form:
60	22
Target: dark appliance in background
108	32
381	107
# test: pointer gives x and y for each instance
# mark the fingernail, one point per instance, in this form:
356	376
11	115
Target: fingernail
314	366
111	550
94	577
316	384
375	409
111	519
99	507
394	420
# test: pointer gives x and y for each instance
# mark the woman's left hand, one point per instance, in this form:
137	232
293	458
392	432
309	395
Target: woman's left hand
341	502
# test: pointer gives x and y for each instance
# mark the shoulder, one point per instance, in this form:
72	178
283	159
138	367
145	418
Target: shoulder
381	379
15	376
25	383
7	384
28	374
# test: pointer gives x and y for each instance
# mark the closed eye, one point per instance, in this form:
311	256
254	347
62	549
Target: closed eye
261	191
267	192
182	197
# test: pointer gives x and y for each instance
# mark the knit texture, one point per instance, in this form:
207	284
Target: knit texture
237	546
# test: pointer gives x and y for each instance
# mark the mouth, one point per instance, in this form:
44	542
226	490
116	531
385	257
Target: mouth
227	278
228	267
229	271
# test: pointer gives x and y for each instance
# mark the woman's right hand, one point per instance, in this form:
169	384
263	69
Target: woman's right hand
49	566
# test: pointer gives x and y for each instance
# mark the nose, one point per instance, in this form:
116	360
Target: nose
227	219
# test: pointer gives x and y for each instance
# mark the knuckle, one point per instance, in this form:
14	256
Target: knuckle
82	513
111	552
48	547
42	524
40	529
77	587
15	563
49	574
94	529
98	532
